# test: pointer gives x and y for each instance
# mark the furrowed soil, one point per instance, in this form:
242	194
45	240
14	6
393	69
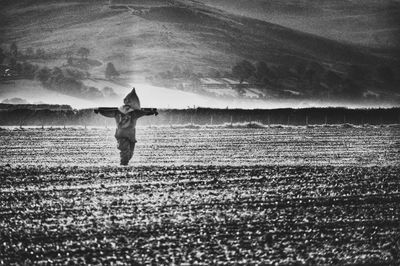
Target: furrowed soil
202	196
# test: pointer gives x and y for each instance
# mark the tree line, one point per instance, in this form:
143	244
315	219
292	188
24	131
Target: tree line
209	116
315	79
16	59
69	81
66	79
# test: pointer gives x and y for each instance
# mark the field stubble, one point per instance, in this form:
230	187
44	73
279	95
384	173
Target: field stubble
205	146
201	196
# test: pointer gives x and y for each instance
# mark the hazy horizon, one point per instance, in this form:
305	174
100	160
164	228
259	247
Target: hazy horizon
334	53
164	98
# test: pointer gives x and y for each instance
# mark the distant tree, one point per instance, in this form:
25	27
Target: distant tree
71	86
108	92
13	63
213	73
111	72
252	79
14	49
243	70
2	56
169	74
262	70
18	68
56	75
70	61
164	75
187	72
93	92
43	75
237	72
28	70
75	73
176	70
83	52
265	80
15	100
56	71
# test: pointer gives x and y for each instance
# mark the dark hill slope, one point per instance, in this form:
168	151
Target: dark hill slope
256	39
178	33
373	23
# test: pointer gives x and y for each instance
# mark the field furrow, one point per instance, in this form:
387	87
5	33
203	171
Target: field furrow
205	196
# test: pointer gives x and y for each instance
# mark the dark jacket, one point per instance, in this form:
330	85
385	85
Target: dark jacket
126	123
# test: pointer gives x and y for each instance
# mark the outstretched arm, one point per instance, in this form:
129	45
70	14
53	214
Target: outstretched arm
140	113
106	112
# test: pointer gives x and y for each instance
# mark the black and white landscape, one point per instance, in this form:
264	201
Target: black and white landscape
276	140
246	54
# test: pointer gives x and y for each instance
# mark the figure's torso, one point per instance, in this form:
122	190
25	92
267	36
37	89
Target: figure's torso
126	126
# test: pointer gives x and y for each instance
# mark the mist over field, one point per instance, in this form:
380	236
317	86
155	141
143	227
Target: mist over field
236	54
242	163
166	98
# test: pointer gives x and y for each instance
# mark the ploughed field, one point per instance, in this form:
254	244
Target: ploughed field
322	195
165	146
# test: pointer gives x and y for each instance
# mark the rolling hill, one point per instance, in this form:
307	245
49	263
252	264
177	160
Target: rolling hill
373	23
143	38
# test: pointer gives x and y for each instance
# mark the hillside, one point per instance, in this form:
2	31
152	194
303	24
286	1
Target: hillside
166	35
371	23
145	38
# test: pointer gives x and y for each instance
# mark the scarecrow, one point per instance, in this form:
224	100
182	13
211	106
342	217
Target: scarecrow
126	117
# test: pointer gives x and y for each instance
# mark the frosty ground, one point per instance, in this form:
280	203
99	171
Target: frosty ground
201	195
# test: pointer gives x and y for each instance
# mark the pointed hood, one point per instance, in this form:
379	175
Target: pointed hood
131	102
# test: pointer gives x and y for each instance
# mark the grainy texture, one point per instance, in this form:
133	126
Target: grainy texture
61	202
336	145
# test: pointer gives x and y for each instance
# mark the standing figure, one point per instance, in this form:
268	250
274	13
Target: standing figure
126	117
